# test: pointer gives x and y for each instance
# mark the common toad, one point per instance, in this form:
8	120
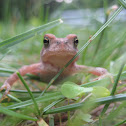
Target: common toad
55	53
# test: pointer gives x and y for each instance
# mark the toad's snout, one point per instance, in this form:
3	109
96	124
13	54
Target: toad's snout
62	44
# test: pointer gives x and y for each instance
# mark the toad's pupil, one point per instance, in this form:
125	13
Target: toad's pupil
76	42
46	42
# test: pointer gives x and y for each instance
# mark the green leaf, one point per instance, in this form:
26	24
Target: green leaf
80	118
26	35
14	114
85	117
99	91
72	90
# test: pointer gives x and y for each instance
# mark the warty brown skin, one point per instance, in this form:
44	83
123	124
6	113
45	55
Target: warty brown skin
55	53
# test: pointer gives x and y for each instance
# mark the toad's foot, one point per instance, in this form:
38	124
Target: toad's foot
7	88
104	76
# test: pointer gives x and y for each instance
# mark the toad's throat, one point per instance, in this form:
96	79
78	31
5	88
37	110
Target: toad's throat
59	59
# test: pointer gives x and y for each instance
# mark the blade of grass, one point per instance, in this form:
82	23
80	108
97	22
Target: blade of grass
53	96
6	70
109	99
123	3
22	91
14	98
52	104
101	37
51	120
115	113
14	114
26	35
119	124
47	97
84	46
30	93
113	89
100	121
117	79
8	51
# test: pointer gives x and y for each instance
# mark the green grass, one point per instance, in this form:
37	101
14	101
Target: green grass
18	51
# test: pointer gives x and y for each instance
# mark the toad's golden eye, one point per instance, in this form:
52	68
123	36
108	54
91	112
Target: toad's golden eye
76	42
46	42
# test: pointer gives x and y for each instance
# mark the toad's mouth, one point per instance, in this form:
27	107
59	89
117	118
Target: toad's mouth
59	58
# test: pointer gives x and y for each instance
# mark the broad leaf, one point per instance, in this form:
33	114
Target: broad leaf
72	90
99	91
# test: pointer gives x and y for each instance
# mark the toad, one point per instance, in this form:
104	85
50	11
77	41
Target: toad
55	53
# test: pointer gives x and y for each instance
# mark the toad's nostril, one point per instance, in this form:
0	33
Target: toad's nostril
66	42
58	42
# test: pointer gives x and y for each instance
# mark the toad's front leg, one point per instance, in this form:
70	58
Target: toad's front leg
34	69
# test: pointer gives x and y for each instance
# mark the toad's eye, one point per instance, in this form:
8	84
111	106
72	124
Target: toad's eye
46	42
76	42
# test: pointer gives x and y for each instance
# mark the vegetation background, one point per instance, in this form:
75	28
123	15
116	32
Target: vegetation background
80	17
